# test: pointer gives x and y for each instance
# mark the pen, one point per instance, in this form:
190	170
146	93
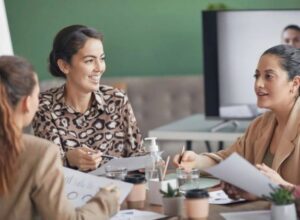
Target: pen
181	155
109	156
104	155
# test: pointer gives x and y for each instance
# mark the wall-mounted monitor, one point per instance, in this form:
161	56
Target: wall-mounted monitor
233	42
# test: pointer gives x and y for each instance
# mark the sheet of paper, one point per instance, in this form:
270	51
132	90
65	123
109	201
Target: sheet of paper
131	163
133	214
220	198
239	172
80	187
249	215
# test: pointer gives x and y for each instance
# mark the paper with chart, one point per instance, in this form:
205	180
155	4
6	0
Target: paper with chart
239	172
80	187
131	163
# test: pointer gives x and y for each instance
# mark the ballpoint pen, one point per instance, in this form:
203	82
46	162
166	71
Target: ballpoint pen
109	156
181	155
104	155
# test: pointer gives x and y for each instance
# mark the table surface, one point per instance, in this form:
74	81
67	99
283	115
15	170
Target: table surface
197	128
214	210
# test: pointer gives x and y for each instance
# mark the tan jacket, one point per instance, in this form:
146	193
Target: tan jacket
39	189
255	142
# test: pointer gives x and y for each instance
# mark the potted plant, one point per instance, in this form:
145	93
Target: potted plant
283	204
172	201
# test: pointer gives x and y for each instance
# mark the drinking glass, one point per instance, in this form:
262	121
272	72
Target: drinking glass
115	172
187	179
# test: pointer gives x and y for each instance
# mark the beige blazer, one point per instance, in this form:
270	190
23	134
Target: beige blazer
39	189
256	140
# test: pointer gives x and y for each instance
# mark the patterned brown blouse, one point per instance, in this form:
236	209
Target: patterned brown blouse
109	125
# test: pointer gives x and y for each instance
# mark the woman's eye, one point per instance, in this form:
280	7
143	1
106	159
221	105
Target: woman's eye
88	61
269	76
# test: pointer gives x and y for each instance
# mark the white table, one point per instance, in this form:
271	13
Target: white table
197	128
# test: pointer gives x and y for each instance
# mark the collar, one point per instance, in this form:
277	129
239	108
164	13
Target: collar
59	99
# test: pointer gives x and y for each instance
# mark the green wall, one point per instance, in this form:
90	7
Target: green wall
142	37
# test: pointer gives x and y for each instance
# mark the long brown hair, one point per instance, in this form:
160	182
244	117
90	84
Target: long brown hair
16	81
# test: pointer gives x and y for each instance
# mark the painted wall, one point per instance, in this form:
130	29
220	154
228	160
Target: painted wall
142	37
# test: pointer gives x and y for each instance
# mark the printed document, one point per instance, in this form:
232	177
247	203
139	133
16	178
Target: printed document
239	172
80	187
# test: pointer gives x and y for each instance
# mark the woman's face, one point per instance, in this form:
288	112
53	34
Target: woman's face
272	87
86	67
291	37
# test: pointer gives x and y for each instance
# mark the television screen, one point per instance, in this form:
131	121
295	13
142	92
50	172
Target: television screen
233	42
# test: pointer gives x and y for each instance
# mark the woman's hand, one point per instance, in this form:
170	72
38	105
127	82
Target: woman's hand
114	190
188	160
84	158
272	175
235	193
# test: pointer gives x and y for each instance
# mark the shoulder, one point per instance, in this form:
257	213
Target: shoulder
38	146
48	97
110	93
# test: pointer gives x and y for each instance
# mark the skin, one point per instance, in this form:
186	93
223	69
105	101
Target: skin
291	37
83	75
274	91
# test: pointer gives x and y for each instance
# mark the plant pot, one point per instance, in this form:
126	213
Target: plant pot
173	206
283	212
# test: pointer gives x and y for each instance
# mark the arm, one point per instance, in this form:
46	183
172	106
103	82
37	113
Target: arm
133	139
205	160
49	196
44	127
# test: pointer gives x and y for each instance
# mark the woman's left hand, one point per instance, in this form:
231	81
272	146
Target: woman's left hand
235	193
272	175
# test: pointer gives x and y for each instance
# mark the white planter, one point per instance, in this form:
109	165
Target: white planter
283	212
173	206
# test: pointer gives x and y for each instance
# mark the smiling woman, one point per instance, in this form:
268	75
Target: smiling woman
85	119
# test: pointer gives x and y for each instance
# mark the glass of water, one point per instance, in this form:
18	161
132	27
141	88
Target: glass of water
187	179
115	172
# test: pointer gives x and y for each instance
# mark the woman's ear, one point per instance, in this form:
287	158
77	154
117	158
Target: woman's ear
296	85
25	104
63	66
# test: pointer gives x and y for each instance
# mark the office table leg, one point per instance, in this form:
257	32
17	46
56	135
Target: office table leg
188	145
221	145
208	147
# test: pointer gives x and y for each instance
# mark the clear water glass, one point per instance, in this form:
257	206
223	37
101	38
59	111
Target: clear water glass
188	179
115	172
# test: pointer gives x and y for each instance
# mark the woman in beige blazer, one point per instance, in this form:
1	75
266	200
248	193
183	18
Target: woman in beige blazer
272	139
31	177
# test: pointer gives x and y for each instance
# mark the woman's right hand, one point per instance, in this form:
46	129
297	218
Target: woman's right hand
84	158
188	160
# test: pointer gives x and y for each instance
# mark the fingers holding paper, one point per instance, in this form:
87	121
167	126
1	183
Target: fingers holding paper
113	191
272	175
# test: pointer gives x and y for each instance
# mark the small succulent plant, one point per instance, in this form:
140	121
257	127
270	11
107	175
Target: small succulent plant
170	192
280	196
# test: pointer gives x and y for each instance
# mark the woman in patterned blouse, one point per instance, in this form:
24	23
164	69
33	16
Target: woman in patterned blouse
85	119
